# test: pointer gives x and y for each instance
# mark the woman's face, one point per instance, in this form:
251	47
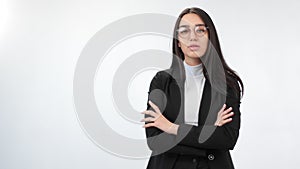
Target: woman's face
193	37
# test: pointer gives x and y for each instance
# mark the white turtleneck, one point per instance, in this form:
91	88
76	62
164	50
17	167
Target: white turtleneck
194	85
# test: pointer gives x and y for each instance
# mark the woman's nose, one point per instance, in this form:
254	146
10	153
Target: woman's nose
193	35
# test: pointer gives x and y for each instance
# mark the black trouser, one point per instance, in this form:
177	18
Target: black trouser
191	162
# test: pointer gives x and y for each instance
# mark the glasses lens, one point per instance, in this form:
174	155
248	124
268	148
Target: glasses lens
183	32
200	30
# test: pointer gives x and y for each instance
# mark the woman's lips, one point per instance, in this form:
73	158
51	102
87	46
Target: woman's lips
193	47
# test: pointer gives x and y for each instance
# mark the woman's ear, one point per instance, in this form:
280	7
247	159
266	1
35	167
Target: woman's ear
179	44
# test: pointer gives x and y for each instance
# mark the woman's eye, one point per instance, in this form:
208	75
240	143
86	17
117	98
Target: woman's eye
184	31
200	30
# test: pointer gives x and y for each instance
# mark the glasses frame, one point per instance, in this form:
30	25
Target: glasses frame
189	34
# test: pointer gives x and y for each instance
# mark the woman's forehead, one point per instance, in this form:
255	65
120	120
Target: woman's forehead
191	20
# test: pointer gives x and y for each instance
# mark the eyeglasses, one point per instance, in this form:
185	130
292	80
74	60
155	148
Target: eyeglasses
185	31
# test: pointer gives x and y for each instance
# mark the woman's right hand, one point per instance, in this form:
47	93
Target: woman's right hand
224	116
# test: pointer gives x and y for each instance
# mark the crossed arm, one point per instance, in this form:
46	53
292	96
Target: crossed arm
224	137
159	121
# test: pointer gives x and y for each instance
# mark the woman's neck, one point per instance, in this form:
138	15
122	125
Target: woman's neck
192	61
193	70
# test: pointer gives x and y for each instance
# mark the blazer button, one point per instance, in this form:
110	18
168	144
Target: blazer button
211	157
194	160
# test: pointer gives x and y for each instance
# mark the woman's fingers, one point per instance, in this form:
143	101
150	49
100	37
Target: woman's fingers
222	109
226	116
156	109
148	119
226	111
149	125
225	121
154	116
150	112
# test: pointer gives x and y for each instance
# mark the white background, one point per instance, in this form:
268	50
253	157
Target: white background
40	42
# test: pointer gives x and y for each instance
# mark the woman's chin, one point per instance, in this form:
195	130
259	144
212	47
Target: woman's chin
196	54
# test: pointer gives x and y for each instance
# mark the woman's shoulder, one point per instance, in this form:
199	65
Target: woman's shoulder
162	78
163	74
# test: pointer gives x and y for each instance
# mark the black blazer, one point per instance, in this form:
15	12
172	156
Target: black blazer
205	139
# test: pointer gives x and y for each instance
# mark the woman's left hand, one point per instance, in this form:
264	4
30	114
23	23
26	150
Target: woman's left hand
158	120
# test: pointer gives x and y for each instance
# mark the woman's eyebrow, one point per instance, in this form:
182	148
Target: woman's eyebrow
200	24
184	26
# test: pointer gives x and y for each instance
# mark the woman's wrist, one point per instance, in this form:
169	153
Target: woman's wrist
173	129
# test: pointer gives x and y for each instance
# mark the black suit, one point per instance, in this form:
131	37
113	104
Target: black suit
214	142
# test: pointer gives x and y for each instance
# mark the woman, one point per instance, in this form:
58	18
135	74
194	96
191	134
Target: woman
193	118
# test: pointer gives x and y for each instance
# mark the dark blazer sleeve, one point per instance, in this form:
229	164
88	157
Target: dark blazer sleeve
224	137
157	143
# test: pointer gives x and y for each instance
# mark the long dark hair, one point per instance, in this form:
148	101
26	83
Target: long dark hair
231	75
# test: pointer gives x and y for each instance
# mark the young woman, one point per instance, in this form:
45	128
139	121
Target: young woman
193	118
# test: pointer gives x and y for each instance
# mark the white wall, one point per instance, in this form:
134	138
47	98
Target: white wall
40	42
